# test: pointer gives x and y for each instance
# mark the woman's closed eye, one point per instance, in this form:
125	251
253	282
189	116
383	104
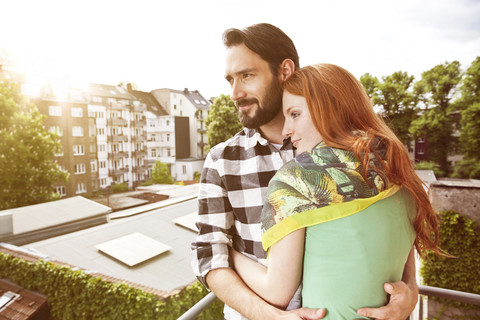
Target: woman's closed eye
294	114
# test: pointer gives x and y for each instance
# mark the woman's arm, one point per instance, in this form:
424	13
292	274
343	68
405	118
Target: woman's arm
277	283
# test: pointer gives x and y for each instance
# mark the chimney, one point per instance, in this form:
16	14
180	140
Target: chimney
129	87
185	90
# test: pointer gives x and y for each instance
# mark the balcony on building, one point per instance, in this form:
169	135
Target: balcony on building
117	171
117	122
138	153
139	138
140	122
119	138
118	154
117	106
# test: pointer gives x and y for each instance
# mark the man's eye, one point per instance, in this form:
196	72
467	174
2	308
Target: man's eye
247	75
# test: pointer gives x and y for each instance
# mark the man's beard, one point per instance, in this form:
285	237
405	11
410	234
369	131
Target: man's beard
270	106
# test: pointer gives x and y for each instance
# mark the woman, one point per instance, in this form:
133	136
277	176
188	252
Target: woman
348	211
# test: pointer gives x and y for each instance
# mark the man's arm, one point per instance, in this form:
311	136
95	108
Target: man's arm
403	296
229	288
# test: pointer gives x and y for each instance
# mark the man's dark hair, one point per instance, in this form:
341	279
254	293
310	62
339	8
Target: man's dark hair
266	40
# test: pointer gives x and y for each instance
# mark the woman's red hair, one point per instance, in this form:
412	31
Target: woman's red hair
343	115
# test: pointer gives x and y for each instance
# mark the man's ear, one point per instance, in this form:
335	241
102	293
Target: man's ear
287	68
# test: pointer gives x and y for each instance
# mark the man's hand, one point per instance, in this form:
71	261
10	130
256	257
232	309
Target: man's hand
301	314
402	302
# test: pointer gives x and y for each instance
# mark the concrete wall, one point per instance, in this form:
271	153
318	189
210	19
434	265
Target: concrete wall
463	199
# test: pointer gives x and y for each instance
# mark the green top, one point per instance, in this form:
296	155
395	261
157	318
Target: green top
366	240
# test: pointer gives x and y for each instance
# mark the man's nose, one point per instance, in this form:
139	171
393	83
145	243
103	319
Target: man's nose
238	91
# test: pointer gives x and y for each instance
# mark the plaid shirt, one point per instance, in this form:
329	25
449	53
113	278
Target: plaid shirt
232	190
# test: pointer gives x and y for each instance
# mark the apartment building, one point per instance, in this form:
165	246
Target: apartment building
67	116
189	104
171	115
119	129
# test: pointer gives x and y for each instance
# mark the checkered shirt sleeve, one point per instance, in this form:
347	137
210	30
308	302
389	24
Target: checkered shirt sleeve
215	219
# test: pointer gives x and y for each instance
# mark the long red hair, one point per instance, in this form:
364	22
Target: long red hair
343	115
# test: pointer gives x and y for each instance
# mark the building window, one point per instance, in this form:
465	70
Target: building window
116	131
153	152
60	190
168	123
102	148
80	168
93	165
420	150
55	111
102	164
97	99
56	129
169	153
81	188
168	137
77	112
103	182
100	131
421	140
77	131
117	164
78	150
116	147
184	169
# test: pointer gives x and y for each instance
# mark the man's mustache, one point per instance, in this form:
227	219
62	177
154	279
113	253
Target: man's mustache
245	102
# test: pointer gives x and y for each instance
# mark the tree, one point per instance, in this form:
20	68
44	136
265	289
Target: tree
469	103
161	173
470	89
394	96
222	121
436	90
28	171
469	139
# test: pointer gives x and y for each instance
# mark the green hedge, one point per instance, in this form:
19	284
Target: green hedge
74	294
460	237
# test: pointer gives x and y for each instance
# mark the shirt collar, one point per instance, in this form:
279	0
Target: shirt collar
254	137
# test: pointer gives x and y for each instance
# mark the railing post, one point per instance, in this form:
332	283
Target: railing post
198	307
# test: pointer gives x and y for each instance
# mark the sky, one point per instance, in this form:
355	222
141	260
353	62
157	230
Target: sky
177	44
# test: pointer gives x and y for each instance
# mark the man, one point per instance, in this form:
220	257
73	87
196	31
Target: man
236	175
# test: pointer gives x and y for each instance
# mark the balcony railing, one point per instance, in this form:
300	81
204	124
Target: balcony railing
117	122
140	122
454	295
119	138
117	171
118	154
